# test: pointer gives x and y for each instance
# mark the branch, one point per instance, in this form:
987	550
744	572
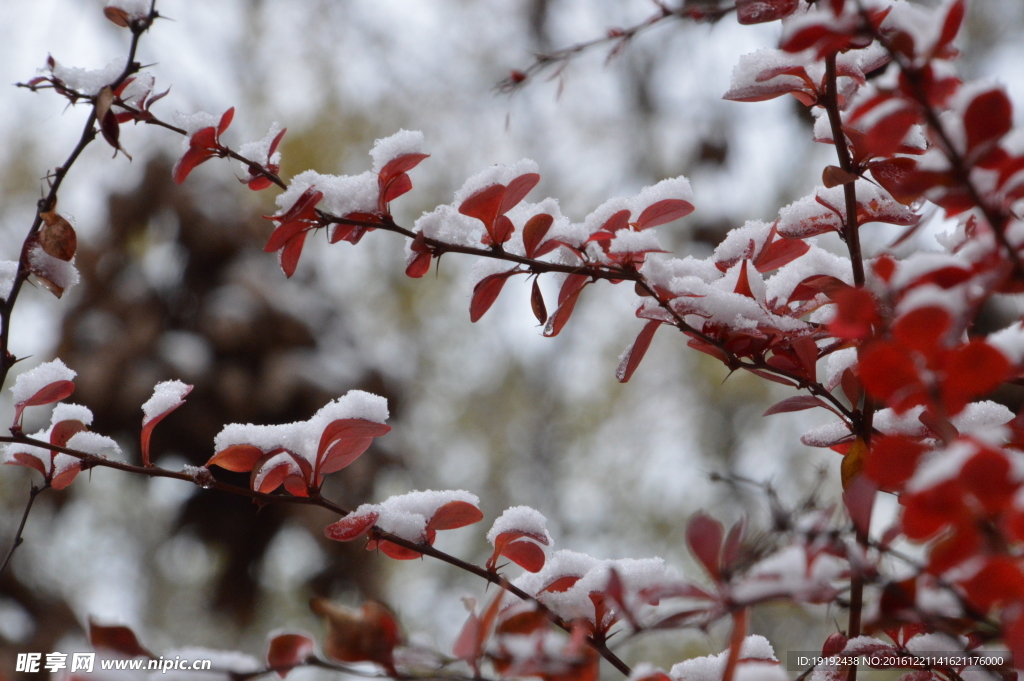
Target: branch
353	670
863	414
207	481
594	271
35	491
48	202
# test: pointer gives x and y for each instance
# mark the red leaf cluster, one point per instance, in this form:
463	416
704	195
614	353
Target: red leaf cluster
203	145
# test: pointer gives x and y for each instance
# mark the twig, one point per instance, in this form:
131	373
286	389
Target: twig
620	37
35	491
863	413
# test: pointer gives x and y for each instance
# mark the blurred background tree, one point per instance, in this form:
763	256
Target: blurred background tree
175	285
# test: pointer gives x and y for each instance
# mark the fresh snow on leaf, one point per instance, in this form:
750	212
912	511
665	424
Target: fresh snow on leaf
88	82
193	123
343	194
303	437
34	380
135	9
755	652
496	174
60	272
71	412
166	395
259	151
93	443
520	519
389	148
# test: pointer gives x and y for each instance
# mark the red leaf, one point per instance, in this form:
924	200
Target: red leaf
761	11
296	485
470	643
888	374
237	458
892	460
922	329
971	371
288	650
856	313
117	16
731	548
572	285
632	357
768	376
834	176
27	460
258	183
396	187
525	554
885	137
851	385
534	231
419	265
271	479
52	392
540	310
617	221
662	212
120	639
988	117
350	527
796	403
893	175
486	292
988	476
517	190
277	141
858	497
502	230
743	283
225	120
778	253
561	584
399	165
815	284
951	25
287	231
807	352
1000	581
291	253
483	205
704	537
562	314
110	129
341	454
66	477
193	157
341	429
453	515
395	551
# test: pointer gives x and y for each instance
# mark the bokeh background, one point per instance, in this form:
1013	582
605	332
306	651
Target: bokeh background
176	285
